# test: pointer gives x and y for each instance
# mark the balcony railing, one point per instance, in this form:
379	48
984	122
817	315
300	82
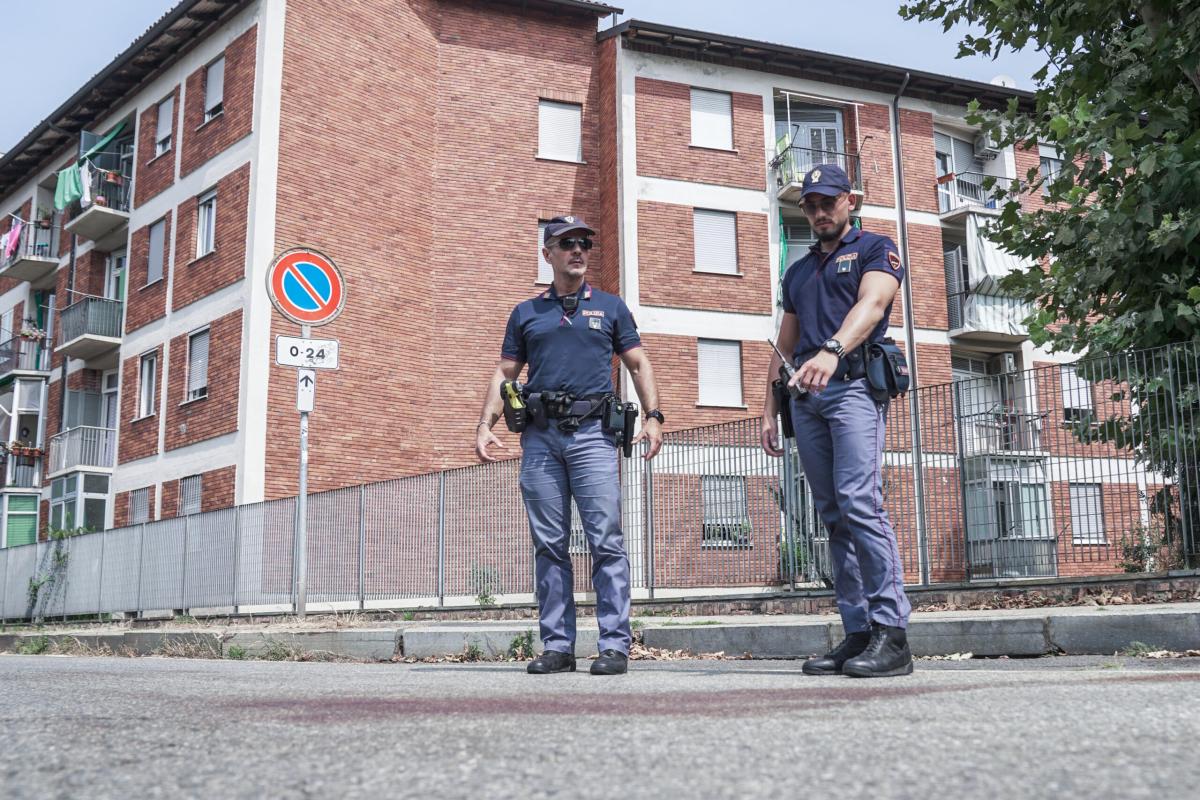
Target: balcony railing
998	432
82	447
21	471
103	220
91	327
793	163
34	256
993	316
24	353
966	190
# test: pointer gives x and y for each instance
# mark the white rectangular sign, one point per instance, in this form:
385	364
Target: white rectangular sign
292	351
306	390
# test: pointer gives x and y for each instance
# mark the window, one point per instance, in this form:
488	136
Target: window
712	119
22	522
726	519
1087	514
197	370
139	506
162	130
1050	164
1076	395
214	89
545	273
158	245
66	495
146	378
715	240
206	224
720	373
189	495
559	131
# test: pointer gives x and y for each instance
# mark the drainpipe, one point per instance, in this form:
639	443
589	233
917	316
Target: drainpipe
914	405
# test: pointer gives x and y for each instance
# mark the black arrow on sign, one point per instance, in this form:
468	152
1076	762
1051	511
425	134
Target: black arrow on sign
305	380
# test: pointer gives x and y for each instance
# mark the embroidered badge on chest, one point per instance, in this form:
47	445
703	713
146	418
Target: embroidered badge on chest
595	323
845	263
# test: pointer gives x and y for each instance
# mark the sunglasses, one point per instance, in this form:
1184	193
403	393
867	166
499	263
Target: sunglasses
567	245
827	205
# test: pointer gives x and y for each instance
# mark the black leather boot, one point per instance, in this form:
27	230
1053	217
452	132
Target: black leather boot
887	655
551	661
831	663
611	662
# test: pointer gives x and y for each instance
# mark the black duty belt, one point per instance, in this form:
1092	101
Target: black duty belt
851	366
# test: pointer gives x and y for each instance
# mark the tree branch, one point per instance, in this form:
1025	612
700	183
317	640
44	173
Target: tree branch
1155	21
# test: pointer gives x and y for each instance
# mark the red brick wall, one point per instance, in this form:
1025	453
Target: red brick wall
920	160
216	492
146	303
155	173
605	273
675	362
664	138
217	414
138	437
226	264
170	499
666	263
204	140
878	178
884	227
121	507
89	280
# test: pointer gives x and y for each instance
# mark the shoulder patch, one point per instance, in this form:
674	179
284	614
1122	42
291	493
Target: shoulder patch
894	260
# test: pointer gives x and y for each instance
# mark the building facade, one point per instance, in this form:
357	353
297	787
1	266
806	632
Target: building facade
420	144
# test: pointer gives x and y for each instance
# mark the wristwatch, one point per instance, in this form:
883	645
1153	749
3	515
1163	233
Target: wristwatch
834	346
658	415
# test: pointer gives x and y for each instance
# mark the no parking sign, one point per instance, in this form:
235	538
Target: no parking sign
306	287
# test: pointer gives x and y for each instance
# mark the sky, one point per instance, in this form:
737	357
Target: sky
52	47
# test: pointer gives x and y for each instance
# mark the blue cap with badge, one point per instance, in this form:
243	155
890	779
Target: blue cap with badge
560	225
827	179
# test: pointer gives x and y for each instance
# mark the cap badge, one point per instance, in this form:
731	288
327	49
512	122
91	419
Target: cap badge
570	220
815	176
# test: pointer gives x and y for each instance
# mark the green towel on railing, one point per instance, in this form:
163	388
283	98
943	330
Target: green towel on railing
69	188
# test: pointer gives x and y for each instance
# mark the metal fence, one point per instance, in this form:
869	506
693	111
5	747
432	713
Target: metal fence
1087	469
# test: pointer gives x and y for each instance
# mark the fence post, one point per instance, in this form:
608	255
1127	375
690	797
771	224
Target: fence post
648	472
787	483
183	577
100	579
4	587
362	546
1181	473
141	560
237	554
441	533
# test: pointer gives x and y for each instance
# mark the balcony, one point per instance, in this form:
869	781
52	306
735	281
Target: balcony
1000	431
91	328
24	354
962	193
105	219
989	317
83	447
21	471
793	163
35	257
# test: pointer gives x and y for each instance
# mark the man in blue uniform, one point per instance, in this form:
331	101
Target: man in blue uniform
837	298
568	336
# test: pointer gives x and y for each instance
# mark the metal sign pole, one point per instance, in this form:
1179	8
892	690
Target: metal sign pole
302	509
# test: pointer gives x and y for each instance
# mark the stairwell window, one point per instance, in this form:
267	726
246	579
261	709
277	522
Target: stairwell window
162	129
189	495
726	516
139	506
712	119
197	369
560	126
720	373
214	89
1078	405
206	224
146	377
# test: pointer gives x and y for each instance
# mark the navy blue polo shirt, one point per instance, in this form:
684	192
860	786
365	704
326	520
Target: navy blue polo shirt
570	353
821	288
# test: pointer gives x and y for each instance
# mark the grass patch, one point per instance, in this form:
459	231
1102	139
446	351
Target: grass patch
235	652
34	646
1137	650
521	647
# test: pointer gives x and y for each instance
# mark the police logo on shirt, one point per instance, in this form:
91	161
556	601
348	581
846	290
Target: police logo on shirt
593	312
894	261
595	323
845	262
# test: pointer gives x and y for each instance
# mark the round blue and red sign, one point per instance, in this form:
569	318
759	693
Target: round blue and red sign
306	287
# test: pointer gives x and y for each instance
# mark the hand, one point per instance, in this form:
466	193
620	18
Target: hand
652	432
484	438
816	372
770	436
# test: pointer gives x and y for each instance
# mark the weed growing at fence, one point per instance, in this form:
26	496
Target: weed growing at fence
198	647
521	647
1137	650
472	652
34	646
184	619
235	652
276	650
484	580
408	616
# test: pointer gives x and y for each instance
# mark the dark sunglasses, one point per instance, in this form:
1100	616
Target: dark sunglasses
827	204
567	245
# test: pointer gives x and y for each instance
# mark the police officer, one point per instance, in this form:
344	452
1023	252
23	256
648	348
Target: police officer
568	336
835	299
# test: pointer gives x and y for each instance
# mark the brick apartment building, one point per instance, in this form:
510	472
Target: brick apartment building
419	143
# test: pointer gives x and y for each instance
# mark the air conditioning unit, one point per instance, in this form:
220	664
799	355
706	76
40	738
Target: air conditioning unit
986	148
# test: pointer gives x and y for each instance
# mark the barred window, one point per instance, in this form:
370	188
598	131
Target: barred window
139	506
726	515
189	495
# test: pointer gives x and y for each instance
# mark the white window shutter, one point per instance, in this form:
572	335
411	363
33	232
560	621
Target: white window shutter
214	85
166	110
154	270
146	385
1076	391
712	119
715	241
545	273
189	495
560	135
720	372
198	366
1087	514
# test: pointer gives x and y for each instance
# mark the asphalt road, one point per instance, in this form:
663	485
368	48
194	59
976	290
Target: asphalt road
1061	728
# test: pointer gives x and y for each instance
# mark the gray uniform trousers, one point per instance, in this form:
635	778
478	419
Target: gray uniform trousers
839	435
555	467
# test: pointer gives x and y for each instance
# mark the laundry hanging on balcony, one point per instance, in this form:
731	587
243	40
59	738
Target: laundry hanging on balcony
14	236
986	262
69	188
